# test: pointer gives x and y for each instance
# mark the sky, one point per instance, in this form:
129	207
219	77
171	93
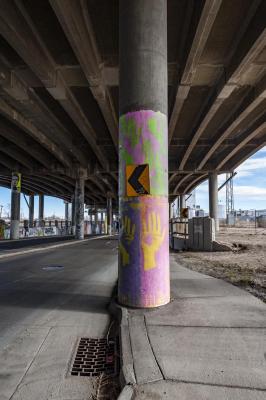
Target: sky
249	185
52	205
249	191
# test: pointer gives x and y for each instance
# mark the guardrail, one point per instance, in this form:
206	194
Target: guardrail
179	227
53	228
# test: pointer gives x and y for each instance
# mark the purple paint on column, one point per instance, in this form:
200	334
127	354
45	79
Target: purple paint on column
144	240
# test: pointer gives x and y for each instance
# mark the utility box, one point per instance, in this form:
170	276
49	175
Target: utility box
201	233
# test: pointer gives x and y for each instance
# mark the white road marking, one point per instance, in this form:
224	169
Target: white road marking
54	246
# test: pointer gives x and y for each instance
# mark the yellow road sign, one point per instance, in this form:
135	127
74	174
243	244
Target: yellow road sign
16	182
184	213
138	180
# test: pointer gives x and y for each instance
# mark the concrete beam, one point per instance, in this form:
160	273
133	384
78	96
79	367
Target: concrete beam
8	162
57	185
75	20
230	85
28	187
18	89
26	125
241	117
195	182
182	180
257	132
17	155
208	16
26	144
22	38
240	159
38	58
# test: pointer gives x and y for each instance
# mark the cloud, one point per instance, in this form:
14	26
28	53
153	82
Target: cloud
252	192
252	164
243	174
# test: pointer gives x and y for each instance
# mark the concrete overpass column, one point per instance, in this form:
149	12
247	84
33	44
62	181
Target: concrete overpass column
182	200
213	198
143	141
41	209
15	214
79	208
96	221
66	211
66	214
109	215
73	224
31	210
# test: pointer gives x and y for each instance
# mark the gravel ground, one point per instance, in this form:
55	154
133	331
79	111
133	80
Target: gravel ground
245	266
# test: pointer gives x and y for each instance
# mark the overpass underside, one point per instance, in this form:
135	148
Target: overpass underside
61	72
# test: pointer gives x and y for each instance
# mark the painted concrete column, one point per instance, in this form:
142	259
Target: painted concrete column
213	198
79	208
31	210
41	209
109	215
143	139
15	214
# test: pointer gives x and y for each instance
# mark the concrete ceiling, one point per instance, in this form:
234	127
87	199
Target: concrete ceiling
59	92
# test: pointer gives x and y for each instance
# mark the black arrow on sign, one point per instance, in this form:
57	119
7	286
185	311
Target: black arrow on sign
134	179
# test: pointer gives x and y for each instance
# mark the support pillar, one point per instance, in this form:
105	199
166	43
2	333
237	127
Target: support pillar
15	214
182	201
96	221
73	223
213	198
109	216
41	209
31	210
79	208
66	211
143	139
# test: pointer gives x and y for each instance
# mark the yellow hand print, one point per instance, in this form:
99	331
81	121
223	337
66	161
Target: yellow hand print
128	233
128	230
157	237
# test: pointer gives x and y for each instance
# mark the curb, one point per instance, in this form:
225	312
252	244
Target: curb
127	393
127	375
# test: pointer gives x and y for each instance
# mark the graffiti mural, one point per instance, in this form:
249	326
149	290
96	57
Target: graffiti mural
143	139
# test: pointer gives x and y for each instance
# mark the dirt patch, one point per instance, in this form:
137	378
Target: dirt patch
107	388
245	266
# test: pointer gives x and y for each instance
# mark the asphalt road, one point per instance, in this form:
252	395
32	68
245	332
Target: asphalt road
45	310
26	242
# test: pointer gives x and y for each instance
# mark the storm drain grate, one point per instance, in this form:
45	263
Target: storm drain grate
95	357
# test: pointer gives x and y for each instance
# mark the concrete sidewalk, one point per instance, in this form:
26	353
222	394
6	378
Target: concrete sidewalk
44	312
208	343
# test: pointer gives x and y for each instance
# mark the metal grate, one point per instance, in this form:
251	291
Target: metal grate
95	357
